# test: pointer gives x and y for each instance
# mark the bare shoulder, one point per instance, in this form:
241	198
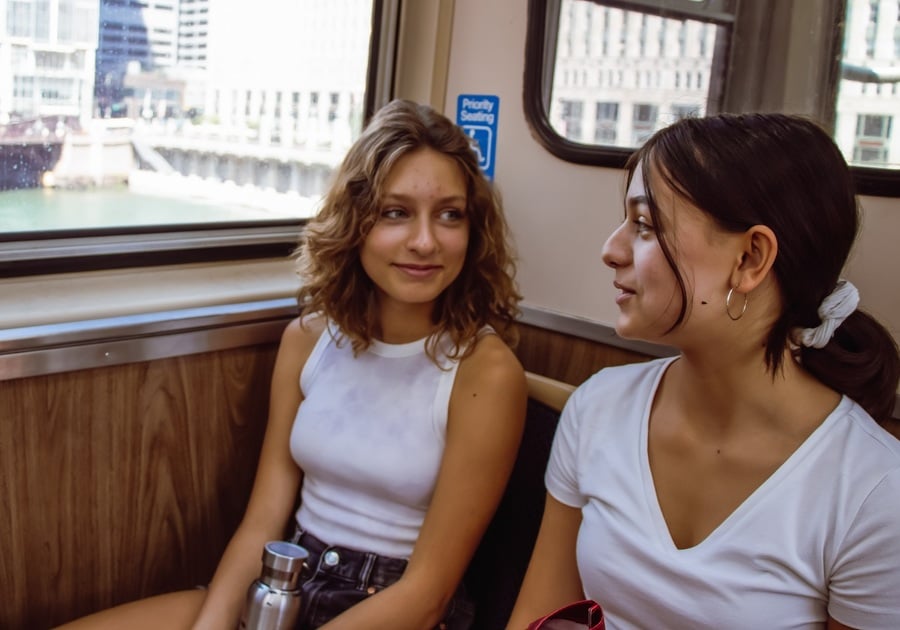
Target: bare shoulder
492	367
487	407
301	334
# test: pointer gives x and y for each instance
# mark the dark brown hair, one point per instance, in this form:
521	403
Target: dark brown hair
784	172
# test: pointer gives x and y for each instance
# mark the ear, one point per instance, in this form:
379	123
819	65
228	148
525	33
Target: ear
759	246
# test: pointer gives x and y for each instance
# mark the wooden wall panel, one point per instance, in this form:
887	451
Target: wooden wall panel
567	358
125	481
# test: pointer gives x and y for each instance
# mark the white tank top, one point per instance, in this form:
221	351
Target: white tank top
369	437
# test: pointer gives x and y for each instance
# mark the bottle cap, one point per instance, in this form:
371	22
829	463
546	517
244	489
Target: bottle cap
284	556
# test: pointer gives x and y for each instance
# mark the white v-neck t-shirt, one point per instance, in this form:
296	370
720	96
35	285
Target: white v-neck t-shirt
820	536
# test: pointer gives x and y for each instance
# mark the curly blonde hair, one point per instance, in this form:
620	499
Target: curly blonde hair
328	255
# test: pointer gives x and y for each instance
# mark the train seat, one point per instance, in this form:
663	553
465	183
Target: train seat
498	566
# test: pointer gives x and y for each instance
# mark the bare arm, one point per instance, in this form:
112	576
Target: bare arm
274	488
484	428
552	579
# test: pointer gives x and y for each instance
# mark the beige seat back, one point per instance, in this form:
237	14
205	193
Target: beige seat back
549	391
499	564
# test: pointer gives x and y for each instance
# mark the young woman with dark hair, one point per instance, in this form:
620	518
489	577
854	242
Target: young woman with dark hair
746	482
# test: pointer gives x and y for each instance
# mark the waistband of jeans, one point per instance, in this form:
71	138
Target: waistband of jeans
351	564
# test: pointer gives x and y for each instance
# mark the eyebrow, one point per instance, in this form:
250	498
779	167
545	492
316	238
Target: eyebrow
401	197
637	200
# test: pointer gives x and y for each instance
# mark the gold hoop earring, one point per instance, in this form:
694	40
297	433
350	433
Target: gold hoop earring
728	306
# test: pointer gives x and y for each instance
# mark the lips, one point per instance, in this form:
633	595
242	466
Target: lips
417	271
623	288
624	292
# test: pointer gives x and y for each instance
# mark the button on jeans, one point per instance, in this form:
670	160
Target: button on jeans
338	577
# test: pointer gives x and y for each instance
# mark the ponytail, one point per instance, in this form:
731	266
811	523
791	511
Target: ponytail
861	361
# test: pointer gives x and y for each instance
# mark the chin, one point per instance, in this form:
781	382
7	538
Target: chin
623	330
415	298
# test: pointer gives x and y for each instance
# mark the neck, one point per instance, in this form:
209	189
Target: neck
403	323
724	394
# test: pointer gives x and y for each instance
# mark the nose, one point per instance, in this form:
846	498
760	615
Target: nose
616	252
422	238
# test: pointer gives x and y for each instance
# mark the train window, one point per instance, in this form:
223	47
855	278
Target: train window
868	95
173	131
635	70
602	75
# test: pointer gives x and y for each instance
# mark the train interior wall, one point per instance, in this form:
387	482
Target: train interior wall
125	481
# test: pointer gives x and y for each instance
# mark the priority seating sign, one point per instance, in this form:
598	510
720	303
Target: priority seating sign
477	115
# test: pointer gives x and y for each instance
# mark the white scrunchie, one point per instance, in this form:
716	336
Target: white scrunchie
833	311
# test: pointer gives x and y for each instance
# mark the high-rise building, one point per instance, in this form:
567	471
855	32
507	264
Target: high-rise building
622	74
140	34
288	73
298	77
158	47
867	110
47	58
193	31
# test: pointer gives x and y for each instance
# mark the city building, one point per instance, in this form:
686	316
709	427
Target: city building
47	59
271	72
144	50
193	28
622	74
297	79
866	110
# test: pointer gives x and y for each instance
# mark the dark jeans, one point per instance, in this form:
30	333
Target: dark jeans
339	577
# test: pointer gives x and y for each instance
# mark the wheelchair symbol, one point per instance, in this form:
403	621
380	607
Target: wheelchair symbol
481	143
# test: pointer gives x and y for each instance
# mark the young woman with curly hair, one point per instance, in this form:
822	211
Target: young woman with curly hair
397	405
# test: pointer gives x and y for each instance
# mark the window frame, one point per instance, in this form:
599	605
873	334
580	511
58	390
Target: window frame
540	52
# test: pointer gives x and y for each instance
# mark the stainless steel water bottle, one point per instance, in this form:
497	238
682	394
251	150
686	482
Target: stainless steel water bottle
273	600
